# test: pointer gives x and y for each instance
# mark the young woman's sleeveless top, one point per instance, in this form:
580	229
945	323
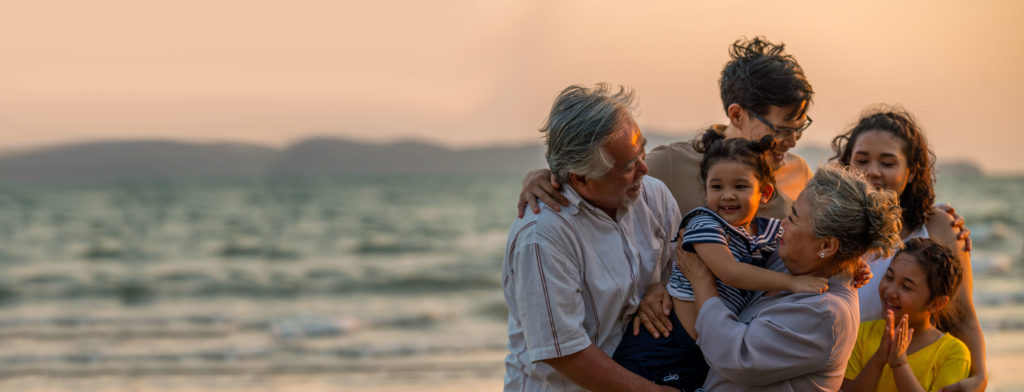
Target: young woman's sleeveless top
870	301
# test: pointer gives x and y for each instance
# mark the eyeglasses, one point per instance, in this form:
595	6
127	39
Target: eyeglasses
784	132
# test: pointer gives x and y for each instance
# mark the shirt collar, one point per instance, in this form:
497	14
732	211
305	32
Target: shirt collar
577	202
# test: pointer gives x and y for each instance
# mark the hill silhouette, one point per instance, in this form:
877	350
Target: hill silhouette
162	159
159	159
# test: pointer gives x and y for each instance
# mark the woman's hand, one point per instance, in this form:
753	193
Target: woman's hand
970	384
693	268
808	284
654	311
958	224
542	184
862	275
898	346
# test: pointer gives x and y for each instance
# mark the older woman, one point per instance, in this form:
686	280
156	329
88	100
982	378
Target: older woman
790	341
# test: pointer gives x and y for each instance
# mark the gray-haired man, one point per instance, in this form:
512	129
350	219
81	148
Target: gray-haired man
573	278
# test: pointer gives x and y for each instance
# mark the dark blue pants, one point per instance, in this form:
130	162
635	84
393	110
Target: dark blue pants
673	360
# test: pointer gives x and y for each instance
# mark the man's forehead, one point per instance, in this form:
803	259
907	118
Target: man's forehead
630	128
795	112
625	144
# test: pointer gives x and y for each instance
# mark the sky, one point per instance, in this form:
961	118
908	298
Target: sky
478	73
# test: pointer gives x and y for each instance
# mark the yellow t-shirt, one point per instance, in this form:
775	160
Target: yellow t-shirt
945	361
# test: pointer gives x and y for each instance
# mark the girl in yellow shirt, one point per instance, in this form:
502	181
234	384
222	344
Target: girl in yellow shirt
911	355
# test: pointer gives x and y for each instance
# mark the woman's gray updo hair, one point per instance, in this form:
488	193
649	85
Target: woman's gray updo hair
862	218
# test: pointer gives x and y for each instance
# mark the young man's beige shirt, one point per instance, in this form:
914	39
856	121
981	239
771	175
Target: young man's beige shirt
678	166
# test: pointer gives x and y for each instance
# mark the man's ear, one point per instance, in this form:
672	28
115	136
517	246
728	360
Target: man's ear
576	179
767	190
737	115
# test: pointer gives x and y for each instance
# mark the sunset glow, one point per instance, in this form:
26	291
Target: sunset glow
484	72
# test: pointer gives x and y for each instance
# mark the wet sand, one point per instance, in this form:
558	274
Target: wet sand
476	372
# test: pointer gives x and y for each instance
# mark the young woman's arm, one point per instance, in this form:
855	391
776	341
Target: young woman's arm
541	185
966	327
969	331
748	277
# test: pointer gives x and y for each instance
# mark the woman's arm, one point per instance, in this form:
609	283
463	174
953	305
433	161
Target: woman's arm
748	277
957	224
966	327
969	331
540	184
701	278
784	342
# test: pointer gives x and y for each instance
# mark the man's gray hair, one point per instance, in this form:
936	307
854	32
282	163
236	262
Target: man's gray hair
845	206
581	121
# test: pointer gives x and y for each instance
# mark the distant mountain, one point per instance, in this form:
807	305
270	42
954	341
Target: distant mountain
336	156
323	156
958	168
319	156
137	159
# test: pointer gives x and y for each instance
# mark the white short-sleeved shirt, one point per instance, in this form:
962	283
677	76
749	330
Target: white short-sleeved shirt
575	277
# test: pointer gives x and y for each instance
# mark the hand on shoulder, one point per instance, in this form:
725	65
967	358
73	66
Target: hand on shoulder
941	229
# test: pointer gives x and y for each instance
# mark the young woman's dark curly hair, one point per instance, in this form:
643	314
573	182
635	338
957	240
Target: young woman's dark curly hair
918	196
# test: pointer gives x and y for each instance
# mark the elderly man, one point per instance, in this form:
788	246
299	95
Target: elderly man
573	278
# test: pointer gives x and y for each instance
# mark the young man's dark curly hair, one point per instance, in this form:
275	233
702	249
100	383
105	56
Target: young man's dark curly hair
761	74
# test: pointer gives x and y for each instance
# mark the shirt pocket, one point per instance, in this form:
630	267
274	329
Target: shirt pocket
652	261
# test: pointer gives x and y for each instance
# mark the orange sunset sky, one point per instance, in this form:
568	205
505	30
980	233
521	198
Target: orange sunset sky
472	73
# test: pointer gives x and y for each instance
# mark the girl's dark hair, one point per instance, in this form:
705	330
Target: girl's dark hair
942	269
716	148
917	198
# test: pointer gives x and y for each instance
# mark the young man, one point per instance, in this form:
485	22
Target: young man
764	92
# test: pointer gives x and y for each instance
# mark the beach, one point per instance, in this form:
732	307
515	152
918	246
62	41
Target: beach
390	283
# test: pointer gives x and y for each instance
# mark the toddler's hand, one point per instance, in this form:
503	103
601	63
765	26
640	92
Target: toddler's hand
808	284
863	275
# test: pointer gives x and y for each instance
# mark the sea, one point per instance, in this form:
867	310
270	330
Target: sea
342	283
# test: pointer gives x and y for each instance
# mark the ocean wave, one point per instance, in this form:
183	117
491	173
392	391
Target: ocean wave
136	288
249	353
